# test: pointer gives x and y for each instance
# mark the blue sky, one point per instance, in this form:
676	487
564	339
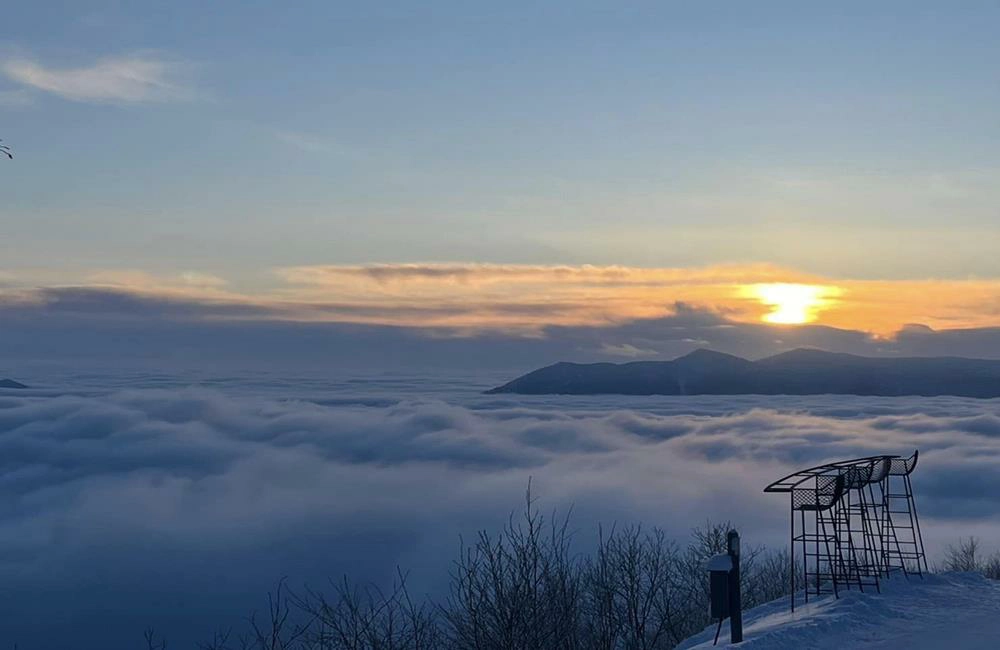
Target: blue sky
211	153
839	139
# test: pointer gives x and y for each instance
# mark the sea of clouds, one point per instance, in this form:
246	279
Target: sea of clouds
180	505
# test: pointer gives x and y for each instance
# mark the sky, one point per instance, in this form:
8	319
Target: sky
465	169
238	239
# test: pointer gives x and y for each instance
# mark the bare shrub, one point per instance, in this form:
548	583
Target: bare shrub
519	589
524	589
219	641
153	641
991	566
277	630
967	556
366	618
768	577
631	599
964	557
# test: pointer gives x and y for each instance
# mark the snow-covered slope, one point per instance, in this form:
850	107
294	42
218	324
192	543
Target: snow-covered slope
951	610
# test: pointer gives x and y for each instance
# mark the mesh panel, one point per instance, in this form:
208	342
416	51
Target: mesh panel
826	493
879	471
857	476
801	498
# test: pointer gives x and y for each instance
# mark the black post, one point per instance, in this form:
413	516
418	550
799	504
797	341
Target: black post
735	604
791	556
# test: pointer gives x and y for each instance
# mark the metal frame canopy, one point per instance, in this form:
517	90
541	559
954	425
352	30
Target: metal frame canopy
790	482
847	518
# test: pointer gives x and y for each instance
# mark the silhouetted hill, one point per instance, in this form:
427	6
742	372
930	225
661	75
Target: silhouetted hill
798	372
10	383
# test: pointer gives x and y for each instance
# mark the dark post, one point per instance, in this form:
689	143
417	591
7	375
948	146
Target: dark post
735	604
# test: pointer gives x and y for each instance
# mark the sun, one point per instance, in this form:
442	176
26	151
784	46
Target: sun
792	304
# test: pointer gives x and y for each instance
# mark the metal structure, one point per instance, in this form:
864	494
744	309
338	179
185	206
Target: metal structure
853	522
907	553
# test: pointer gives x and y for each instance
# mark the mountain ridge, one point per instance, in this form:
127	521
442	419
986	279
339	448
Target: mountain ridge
802	371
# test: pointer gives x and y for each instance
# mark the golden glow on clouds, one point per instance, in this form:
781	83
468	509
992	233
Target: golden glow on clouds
526	299
793	304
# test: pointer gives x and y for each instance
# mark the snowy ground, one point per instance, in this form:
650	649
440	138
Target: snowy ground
953	610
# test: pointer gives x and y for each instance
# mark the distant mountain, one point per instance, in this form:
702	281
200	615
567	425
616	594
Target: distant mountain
10	383
799	372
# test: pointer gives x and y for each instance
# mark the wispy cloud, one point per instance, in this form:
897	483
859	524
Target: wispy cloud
134	78
626	350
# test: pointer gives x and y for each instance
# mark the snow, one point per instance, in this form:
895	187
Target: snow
951	610
720	563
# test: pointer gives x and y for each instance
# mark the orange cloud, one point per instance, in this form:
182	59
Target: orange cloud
527	298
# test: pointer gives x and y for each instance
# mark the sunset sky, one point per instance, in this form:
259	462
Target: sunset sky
484	170
262	264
